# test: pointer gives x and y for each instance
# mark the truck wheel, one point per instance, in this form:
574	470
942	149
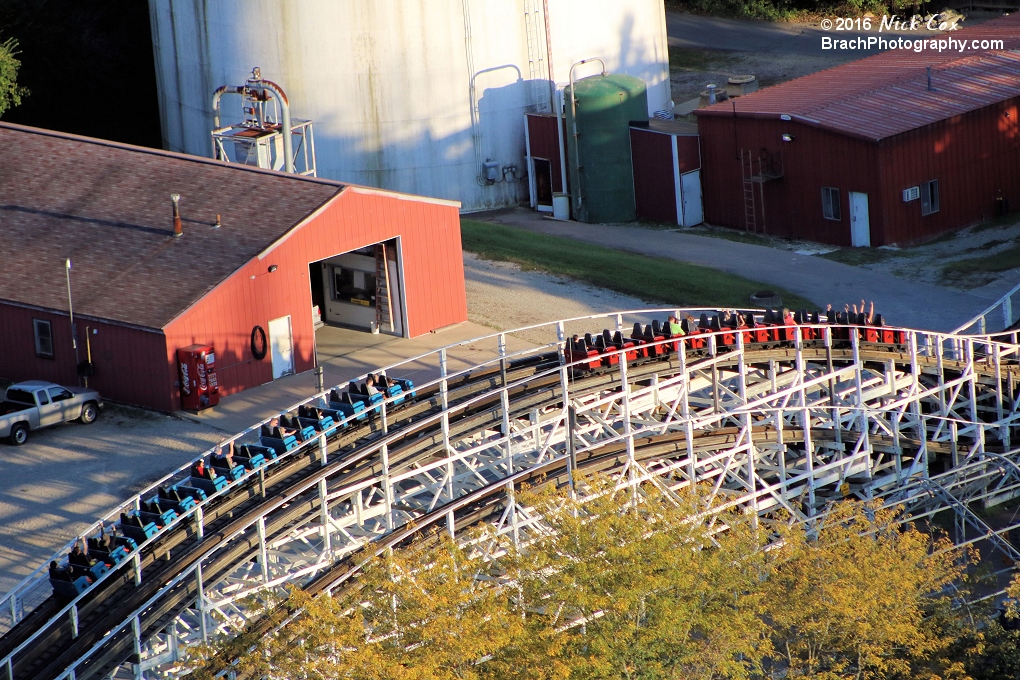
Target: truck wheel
89	413
19	434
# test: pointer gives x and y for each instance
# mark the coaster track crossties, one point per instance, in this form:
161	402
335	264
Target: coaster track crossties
790	425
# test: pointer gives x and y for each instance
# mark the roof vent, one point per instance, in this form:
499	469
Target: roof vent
930	88
178	230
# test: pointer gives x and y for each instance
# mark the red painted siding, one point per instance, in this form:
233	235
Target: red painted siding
433	273
688	152
545	143
654	185
973	156
793	204
128	361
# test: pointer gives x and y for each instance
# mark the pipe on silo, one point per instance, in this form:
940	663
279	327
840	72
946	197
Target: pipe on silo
288	143
573	116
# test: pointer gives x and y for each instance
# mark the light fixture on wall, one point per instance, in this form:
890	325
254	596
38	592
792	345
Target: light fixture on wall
272	268
787	137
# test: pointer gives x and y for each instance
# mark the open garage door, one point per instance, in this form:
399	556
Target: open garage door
362	289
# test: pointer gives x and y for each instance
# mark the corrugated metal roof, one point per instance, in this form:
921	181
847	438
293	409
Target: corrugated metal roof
887	94
107	207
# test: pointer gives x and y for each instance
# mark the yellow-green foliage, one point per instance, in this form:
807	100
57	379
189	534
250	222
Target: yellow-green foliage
10	92
633	584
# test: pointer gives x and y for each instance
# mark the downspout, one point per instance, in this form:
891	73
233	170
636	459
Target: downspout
573	116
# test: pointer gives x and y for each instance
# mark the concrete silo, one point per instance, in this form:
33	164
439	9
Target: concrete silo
420	97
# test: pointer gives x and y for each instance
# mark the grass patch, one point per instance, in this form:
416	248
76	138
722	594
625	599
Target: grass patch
999	262
649	278
860	256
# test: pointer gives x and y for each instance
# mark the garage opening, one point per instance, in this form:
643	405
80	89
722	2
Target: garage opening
361	290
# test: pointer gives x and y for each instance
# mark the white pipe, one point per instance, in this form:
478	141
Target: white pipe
531	165
573	116
558	103
288	142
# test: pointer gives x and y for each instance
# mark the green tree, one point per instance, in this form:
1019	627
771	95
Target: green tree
10	92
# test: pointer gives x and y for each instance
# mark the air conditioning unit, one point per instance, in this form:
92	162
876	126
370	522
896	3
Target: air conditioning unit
911	194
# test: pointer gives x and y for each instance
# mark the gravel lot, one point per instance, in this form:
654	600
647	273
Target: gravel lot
68	476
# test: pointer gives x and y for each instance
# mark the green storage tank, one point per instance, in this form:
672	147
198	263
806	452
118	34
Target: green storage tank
598	145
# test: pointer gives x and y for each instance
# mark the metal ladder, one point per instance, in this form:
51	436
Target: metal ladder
536	62
383	303
747	174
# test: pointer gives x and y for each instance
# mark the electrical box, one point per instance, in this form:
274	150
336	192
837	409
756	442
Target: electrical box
490	171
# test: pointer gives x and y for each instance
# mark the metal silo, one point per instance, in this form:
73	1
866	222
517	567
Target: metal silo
599	110
420	97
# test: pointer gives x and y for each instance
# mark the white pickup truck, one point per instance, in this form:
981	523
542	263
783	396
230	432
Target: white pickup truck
33	404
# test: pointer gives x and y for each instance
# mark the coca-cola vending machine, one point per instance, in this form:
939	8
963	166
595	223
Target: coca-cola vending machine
199	389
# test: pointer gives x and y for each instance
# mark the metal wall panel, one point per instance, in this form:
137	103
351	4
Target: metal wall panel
793	205
128	361
545	143
433	282
655	188
973	157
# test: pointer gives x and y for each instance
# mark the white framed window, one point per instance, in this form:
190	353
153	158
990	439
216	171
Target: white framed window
929	197
830	204
43	338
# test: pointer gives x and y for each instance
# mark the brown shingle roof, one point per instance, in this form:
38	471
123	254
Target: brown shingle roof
887	94
107	207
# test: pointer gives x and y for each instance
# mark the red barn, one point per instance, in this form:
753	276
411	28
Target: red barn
873	152
262	257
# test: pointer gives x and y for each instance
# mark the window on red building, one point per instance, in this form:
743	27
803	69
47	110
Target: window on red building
830	204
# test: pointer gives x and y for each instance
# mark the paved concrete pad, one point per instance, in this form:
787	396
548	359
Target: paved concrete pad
68	476
368	353
900	301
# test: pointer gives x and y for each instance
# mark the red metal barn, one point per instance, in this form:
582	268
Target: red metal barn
872	152
258	250
666	158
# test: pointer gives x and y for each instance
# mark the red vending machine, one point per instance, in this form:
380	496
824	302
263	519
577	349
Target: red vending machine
199	389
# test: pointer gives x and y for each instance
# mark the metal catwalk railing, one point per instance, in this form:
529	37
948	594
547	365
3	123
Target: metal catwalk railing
765	428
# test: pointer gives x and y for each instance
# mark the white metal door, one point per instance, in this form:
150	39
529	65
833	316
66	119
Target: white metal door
860	225
280	346
690	188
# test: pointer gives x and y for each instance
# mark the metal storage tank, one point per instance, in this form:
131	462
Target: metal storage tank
599	110
410	96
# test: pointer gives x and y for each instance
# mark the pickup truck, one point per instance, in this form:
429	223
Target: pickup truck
33	404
